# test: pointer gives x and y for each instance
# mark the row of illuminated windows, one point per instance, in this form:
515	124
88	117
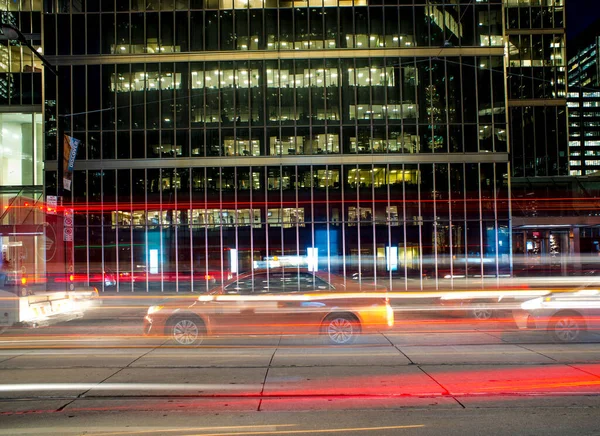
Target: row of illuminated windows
524	3
66	6
587	114
483	137
376	177
242	78
575	134
593	162
585	124
585	104
20	5
286	217
280	91
252	42
536	50
587	153
583	94
289	141
19	59
585	143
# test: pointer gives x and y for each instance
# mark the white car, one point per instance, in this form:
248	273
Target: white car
565	315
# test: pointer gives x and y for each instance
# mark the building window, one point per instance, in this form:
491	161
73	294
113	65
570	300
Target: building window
286	217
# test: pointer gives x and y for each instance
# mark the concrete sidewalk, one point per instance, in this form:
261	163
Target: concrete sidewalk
271	372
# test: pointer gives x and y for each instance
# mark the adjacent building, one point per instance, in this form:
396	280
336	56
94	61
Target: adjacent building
22	238
584	103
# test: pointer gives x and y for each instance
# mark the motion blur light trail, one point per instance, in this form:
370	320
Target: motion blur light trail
265	432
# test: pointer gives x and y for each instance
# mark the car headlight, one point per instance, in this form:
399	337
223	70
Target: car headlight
390	315
536	303
154	309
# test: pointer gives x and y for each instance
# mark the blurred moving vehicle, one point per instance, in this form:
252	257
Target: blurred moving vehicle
276	301
487	304
26	308
566	315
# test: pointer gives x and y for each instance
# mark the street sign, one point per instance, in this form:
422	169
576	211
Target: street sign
68	234
52	202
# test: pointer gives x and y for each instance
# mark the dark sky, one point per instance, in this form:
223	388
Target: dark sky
580	14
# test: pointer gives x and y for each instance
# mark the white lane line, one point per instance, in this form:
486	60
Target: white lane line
28	387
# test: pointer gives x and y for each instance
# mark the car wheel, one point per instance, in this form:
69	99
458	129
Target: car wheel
567	327
341	329
187	330
482	312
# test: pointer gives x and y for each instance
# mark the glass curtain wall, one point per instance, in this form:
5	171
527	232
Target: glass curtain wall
182	228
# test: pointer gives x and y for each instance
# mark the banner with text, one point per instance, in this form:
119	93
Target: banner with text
69	153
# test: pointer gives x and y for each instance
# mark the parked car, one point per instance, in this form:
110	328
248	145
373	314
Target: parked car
565	315
276	301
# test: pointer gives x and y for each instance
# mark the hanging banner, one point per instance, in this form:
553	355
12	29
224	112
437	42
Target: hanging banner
69	153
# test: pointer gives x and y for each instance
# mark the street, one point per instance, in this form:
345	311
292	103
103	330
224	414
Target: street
431	374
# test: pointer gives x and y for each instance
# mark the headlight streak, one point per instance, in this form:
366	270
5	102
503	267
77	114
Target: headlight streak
154	309
269	432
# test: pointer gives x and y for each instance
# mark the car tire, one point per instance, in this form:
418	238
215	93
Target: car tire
567	327
341	329
482	312
186	330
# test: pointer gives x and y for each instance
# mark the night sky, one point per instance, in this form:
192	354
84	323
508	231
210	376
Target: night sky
580	14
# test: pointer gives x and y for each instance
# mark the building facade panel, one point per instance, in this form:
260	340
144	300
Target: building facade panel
363	137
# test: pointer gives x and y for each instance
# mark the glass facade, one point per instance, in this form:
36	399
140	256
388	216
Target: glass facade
361	137
584	106
23	238
536	87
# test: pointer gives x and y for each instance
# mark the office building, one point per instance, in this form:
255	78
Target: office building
349	136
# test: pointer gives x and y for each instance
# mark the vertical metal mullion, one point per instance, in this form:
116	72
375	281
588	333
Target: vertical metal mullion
496	226
436	225
450	226
327	220
175	227
265	189
190	213
205	212
465	219
312	211
146	251
281	209
131	224
296	205
374	235
161	228
388	220
358	223
252	224
404	227
510	220
221	247
116	225
235	221
480	225
420	226
344	224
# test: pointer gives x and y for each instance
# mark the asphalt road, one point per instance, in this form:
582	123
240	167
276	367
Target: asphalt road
433	374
